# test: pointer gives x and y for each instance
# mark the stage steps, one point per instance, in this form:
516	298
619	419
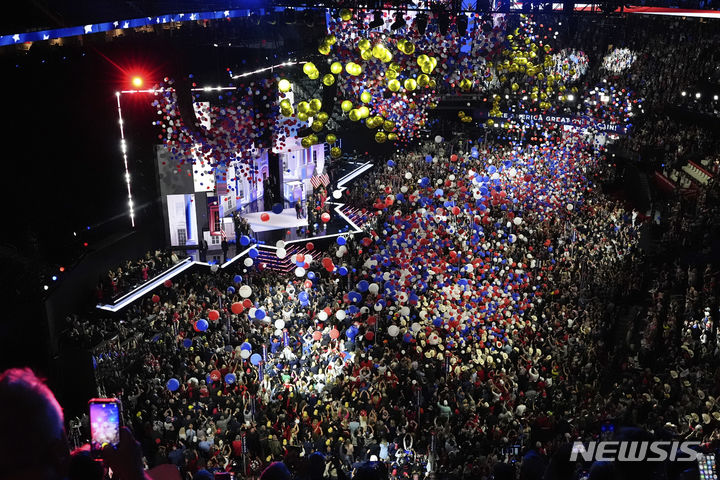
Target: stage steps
268	256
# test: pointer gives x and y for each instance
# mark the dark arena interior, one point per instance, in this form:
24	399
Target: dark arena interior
347	239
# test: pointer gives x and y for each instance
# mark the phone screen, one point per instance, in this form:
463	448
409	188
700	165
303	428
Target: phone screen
706	465
104	423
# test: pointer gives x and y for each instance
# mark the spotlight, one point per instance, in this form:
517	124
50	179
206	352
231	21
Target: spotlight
137	82
462	24
421	21
399	22
377	21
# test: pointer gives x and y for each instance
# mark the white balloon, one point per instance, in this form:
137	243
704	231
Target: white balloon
403	189
245	291
393	330
438	139
373	288
408	175
279	323
251	312
278	333
308	258
415	327
405	311
340	314
281	252
339	253
280	244
570	206
377	307
248	262
299	272
517	220
245	354
214	268
337	194
322	316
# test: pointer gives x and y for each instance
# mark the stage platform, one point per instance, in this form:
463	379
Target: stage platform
286	219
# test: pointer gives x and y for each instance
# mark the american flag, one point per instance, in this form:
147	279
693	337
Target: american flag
316	180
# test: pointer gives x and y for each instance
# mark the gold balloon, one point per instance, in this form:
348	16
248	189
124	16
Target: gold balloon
345	14
390	74
423	59
331	138
306	142
314	75
287	111
364	44
423	80
408	48
410	84
392	137
370	123
303	117
380	137
317	126
432	83
336	67
466	84
365	97
313	138
387	58
346	106
395	67
490	122
324	49
303	107
426	68
365	55
328	79
335	152
378	120
354	115
322	117
461	114
356	70
394	85
378	50
364	111
388	125
284	85
308	68
515	87
285	103
315	104
330	40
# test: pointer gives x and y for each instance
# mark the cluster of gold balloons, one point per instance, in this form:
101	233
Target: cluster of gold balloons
353	69
311	109
311	71
426	63
310	140
378	51
464	117
327	43
405	46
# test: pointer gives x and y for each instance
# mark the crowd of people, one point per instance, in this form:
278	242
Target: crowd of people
133	273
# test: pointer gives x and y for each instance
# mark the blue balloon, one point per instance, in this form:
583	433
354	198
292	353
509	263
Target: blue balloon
237	279
277	209
259	314
303	296
201	325
246	346
343	271
341	240
255	358
230	378
231	289
253	253
390	163
439	192
244	240
187	343
311	275
363	285
173	384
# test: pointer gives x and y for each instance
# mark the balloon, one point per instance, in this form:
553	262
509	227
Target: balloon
310	246
277	209
299	272
279	323
246	346
365	97
322	316
317	335
281	253
215	375
260	314
346	106
438	139
230	378
325	217
155	299
337	194
369	335
245	354
336	67
341	240
334	333
245	291
335	152
237	308
248	262
244	240
264	216
255	359
173	384
393	330
201	325
340	314
328	79
213	315
343	271
284	85
237	279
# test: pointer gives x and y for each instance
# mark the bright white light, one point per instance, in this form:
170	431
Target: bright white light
45	287
604	98
683	93
715	97
571	97
697	95
123	147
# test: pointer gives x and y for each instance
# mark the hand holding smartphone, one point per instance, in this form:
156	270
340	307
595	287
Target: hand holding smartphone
104	424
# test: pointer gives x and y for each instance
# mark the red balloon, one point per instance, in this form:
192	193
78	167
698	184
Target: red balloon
453	158
168	283
247	303
264	216
214	315
308	284
156	299
334	333
237	308
456	210
325	217
300	258
310	246
215	375
317	335
369	336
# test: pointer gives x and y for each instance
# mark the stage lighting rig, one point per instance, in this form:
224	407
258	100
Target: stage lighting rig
462	24
377	21
443	20
421	21
399	21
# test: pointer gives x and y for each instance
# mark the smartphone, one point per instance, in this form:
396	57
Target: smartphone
104	423
707	468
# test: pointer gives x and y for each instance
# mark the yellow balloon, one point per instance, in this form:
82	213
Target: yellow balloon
356	70
388	125
378	50
285	103
330	40
365	55
345	14
306	142
409	48
303	107
392	137
364	44
423	59
284	85
515	87
287	111
331	138
432	83
387	58
390	74
380	137
324	49
396	67
354	115
394	85
410	84
370	123
317	126
346	106
303	117
308	68
315	104
314	75
328	79
336	67
423	80
322	117
313	138
364	111
426	68
335	152
365	97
